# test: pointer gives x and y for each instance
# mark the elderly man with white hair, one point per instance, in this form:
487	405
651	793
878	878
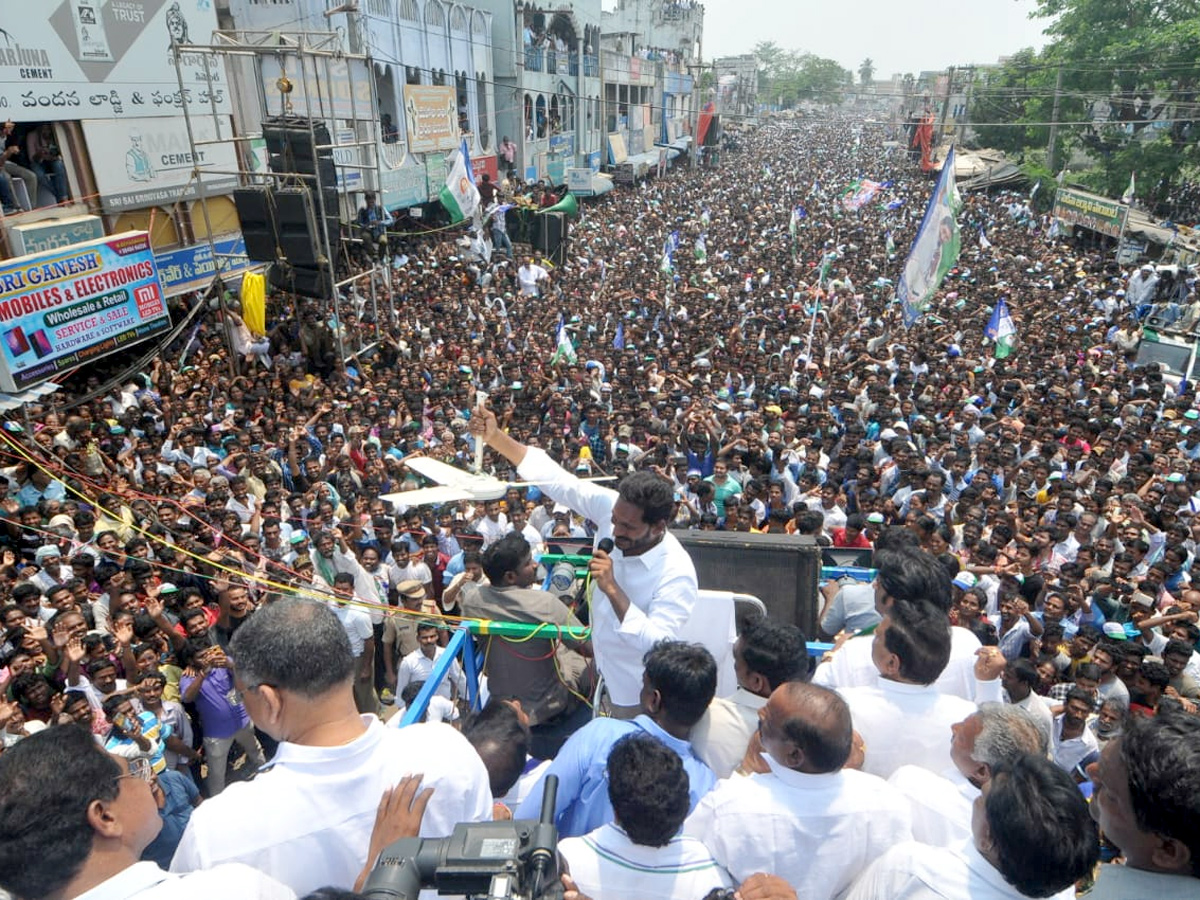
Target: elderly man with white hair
941	803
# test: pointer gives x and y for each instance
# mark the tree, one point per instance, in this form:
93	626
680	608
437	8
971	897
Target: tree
787	76
1130	82
866	70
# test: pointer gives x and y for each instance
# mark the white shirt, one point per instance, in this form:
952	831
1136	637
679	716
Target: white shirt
607	865
660	584
416	666
852	667
146	881
529	275
904	724
815	831
1070	753
357	625
321	804
491	531
914	871
439	710
723	733
940	804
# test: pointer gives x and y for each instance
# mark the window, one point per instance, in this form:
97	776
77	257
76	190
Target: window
408	11
528	117
458	20
540	113
479	25
434	15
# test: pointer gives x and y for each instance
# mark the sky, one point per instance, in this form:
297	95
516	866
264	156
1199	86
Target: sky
899	35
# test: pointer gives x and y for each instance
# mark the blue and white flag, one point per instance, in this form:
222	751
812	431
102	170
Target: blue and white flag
1001	329
984	243
564	349
935	250
619	338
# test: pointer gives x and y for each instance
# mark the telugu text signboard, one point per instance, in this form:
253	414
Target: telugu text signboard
1090	211
193	268
147	162
430	118
61	309
64	60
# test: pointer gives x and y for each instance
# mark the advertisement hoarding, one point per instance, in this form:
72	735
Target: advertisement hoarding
54	234
1090	211
147	162
62	60
64	308
430	118
403	187
193	268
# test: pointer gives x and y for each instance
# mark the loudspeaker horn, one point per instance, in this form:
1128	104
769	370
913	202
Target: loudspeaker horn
568	204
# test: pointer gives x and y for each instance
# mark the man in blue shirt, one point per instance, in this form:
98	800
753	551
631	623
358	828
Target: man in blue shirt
677	687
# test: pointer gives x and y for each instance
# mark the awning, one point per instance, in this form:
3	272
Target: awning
10	402
649	158
601	184
673	152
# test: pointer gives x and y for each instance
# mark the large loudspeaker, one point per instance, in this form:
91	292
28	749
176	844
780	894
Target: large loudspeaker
296	226
256	212
303	280
293	149
782	570
550	231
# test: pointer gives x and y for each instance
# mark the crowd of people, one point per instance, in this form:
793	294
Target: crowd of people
213	596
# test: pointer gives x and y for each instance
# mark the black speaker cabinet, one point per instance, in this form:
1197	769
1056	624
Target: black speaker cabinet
255	208
782	570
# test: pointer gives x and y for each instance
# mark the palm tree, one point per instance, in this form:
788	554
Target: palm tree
866	69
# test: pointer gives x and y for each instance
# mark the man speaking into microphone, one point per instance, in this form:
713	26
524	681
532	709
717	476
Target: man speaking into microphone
644	587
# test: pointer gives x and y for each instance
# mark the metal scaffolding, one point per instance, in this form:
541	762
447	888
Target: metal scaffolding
307	74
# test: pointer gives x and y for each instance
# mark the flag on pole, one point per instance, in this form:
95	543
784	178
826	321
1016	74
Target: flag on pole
1001	329
890	244
935	249
1037	186
460	196
701	249
984	243
619	338
1130	191
564	349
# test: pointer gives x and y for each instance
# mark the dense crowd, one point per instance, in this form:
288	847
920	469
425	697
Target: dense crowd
725	344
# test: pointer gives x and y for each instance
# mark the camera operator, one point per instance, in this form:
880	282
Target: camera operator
295	673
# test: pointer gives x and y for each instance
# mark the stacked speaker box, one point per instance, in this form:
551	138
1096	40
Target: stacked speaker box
256	209
549	235
283	224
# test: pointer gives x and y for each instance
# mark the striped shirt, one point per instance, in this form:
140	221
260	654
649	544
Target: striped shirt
607	865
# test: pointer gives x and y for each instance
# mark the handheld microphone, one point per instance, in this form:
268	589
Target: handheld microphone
606	545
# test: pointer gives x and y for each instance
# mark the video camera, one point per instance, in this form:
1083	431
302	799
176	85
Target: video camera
515	860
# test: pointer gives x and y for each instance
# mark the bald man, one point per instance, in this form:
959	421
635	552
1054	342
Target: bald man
809	819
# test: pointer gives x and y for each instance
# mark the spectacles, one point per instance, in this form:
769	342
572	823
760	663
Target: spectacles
139	768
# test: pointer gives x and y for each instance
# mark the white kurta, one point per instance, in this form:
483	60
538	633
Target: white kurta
914	871
851	666
904	724
320	803
815	831
661	586
940	804
146	881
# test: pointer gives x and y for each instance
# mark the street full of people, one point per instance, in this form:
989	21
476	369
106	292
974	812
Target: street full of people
218	610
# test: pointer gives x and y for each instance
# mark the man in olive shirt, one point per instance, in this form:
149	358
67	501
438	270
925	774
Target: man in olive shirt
548	676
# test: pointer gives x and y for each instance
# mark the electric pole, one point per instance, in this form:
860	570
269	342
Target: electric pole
1051	149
